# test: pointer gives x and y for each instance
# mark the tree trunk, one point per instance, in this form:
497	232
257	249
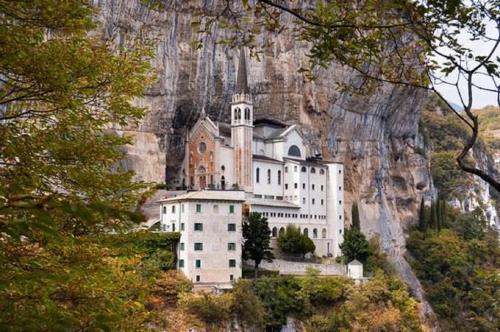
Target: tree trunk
256	270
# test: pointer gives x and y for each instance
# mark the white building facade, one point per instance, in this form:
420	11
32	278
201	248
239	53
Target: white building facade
209	250
271	162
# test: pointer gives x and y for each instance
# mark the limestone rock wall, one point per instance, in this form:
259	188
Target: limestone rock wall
375	136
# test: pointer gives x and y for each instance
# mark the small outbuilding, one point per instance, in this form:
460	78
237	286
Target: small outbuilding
355	269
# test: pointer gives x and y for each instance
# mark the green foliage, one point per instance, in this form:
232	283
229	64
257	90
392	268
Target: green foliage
458	268
422	223
323	291
214	310
282	298
292	241
61	185
246	305
447	176
355	216
355	246
257	240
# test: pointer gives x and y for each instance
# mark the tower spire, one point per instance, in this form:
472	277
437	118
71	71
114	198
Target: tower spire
241	79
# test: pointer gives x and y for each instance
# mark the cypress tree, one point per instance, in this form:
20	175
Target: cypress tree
433	215
355	216
422	225
439	215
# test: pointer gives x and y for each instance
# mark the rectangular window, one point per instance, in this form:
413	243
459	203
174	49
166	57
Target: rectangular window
340	188
173	227
231	227
181	263
216	208
182	226
340	202
173	208
312	187
303	186
295	169
295	185
231	208
231	246
181	246
322	187
340	217
303	200
322	202
198	226
182	208
286	185
164	210
231	277
286	169
198	208
313	200
198	278
198	246
232	263
197	263
340	172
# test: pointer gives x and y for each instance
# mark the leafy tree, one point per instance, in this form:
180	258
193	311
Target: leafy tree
292	241
355	246
373	39
257	240
61	186
355	216
456	268
246	306
214	310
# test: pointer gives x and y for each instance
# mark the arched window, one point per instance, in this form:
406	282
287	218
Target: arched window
268	176
223	182
275	232
294	151
282	231
315	233
323	233
237	114
303	169
279	177
306	232
257	175
313	170
247	114
322	171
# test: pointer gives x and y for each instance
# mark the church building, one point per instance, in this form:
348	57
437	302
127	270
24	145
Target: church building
270	162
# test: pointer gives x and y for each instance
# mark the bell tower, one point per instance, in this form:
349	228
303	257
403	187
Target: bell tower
242	128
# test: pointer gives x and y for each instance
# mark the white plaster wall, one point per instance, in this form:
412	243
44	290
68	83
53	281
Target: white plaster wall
226	158
293	138
335	208
262	187
291	177
215	237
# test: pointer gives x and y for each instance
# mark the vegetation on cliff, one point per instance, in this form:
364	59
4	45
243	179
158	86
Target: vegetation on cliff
458	268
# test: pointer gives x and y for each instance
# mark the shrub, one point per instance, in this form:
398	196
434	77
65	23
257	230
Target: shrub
292	241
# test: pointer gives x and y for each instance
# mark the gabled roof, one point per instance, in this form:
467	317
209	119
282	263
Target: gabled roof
355	262
269	122
266	158
208	195
273	202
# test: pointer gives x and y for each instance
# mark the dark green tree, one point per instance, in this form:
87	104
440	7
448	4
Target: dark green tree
355	246
355	216
257	240
433	215
422	222
292	241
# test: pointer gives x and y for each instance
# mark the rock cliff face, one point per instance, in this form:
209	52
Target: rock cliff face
375	136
